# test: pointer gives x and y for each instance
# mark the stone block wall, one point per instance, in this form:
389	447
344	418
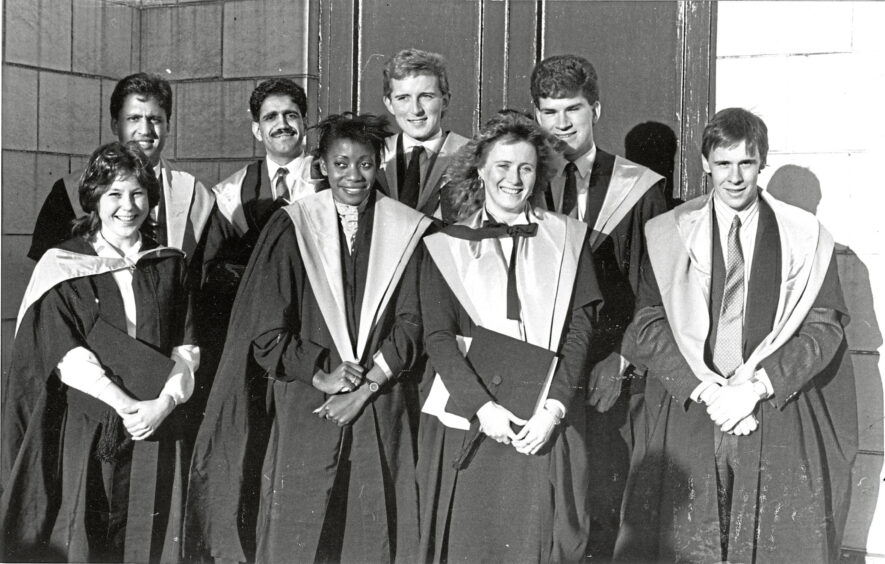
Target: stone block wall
63	58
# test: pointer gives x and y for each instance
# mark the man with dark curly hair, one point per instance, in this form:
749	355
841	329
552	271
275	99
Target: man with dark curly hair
244	203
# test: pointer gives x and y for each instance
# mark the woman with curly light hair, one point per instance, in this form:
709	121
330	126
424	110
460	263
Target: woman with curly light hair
502	467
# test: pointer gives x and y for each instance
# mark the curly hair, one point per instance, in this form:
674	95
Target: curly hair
368	129
466	193
277	87
107	164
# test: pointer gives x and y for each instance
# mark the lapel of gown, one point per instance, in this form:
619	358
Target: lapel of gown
396	232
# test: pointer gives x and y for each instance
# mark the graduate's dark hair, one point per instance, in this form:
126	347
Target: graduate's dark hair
107	164
415	61
368	129
564	76
142	84
731	126
466	191
277	87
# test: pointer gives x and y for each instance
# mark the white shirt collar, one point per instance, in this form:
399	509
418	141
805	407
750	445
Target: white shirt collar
291	166
584	163
725	214
521	219
104	249
431	145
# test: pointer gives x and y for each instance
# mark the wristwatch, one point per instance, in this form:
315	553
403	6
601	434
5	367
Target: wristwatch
373	386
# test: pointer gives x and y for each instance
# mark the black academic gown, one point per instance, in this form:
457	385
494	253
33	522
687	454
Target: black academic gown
225	254
52	485
504	506
617	257
272	482
792	475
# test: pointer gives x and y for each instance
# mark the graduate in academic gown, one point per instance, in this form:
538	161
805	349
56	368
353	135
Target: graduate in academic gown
305	453
90	473
141	111
244	202
416	93
749	426
615	197
517	495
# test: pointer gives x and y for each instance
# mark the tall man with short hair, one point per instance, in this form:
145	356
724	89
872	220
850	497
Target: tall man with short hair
615	197
416	93
141	111
749	418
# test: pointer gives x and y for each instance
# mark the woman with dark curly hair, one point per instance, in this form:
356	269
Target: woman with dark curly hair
95	447
305	454
497	485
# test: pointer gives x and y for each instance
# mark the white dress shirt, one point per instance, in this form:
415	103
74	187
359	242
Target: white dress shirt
298	180
431	148
749	217
582	178
80	368
553	405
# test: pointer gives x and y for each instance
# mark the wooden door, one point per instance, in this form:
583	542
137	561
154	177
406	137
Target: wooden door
653	59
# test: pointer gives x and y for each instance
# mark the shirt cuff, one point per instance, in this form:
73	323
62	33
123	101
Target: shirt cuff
80	369
180	383
555	406
382	364
699	390
762	376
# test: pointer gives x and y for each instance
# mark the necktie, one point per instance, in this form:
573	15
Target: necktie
162	236
570	192
491	229
280	185
411	183
728	349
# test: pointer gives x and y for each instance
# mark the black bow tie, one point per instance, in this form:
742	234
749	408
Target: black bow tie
493	229
496	229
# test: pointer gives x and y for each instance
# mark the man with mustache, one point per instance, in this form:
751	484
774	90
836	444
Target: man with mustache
141	109
246	199
615	197
244	203
416	93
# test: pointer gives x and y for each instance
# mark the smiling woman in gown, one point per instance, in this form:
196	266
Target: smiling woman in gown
305	453
494	486
95	448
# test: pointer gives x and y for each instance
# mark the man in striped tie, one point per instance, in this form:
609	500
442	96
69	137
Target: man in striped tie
748	432
244	202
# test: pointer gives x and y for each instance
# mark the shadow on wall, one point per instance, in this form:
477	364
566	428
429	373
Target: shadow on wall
653	144
800	187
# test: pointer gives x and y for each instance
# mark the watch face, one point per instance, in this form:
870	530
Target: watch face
373	387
